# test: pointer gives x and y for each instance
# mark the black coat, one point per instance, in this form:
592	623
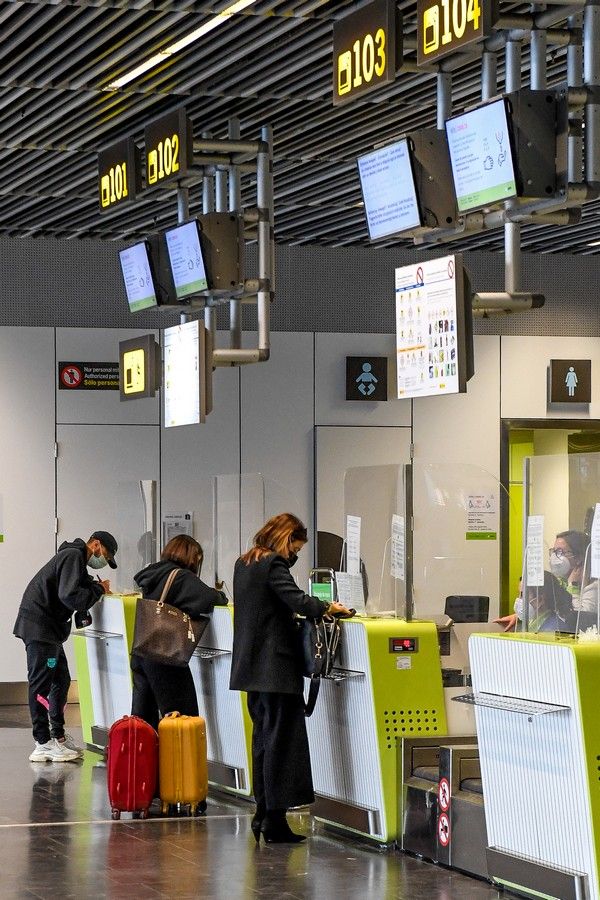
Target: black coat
61	587
187	592
265	650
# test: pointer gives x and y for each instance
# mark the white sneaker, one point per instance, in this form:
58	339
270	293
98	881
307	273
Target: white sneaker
69	743
52	751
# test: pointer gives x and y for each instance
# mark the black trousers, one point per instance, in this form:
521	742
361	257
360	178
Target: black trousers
49	680
160	689
281	772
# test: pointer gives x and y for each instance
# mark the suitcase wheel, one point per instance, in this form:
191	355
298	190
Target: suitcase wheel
116	814
164	808
200	808
143	813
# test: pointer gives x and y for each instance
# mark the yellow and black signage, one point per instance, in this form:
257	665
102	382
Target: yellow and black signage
365	46
139	367
443	26
119	174
169	148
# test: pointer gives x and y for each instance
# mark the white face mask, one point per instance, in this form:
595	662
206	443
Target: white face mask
97	562
560	566
519	609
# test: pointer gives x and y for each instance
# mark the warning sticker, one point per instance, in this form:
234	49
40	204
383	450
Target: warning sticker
444	829
444	794
88	376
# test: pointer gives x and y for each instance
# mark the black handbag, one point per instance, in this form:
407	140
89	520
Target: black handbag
319	644
163	633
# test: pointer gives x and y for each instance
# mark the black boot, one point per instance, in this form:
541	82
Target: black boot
257	820
276	830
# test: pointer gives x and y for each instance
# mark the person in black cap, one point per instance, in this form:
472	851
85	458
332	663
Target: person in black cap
61	588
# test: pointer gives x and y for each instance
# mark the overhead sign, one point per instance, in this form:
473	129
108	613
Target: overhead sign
169	148
119	174
88	376
570	381
364	50
443	26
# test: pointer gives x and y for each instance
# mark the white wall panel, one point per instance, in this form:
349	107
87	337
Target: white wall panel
99	345
525	363
26	475
332	408
277	431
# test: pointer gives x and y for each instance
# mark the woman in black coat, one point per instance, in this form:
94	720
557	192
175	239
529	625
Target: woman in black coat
267	664
158	688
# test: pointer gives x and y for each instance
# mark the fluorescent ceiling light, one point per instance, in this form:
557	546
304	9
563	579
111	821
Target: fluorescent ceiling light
185	41
594	244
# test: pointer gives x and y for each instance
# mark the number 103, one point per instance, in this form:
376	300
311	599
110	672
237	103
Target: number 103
366	59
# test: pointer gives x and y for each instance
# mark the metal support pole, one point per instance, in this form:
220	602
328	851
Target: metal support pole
538	52
489	75
512	230
444	98
575	80
591	77
208	187
235	205
183	204
264	195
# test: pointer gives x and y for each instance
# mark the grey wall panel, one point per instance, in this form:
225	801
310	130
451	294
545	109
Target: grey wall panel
26	475
277	431
94	406
332	408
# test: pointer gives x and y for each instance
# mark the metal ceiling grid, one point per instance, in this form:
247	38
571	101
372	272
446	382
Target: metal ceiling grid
271	64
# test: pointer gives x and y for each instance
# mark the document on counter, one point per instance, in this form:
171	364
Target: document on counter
397	545
350	591
353	544
535	551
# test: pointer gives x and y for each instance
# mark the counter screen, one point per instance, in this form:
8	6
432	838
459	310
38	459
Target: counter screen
389	192
403	645
137	276
187	262
481	156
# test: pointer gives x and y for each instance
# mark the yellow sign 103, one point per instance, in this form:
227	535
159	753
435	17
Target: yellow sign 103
163	162
366	59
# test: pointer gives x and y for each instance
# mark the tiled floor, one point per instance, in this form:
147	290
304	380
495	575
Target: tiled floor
57	840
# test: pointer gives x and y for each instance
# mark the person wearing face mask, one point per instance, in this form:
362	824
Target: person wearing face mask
549	608
266	663
159	689
62	588
567	559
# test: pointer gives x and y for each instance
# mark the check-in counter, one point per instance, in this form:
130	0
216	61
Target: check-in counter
103	672
228	725
538	731
386	685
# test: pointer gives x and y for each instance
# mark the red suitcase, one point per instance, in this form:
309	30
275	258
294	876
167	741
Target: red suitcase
132	766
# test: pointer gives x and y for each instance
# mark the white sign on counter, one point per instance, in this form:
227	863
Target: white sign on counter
535	551
398	542
353	545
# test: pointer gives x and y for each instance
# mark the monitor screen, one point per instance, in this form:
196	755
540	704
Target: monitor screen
140	284
433	341
480	146
186	259
184	380
389	192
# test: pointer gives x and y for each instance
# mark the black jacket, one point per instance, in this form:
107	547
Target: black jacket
187	592
60	588
266	654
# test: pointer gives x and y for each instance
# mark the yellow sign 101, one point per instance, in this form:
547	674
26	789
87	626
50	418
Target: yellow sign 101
119	174
113	186
445	25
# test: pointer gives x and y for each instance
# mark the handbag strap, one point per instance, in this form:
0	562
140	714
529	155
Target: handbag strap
167	587
313	693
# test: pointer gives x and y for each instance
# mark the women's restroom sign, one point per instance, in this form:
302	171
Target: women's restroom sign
570	381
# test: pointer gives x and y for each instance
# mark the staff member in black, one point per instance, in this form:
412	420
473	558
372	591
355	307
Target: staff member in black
267	664
159	688
62	587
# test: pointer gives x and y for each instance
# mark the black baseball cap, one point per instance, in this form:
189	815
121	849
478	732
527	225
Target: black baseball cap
108	541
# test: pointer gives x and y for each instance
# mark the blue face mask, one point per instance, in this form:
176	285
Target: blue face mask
97	562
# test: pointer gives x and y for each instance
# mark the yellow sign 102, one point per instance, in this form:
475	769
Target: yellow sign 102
163	161
168	143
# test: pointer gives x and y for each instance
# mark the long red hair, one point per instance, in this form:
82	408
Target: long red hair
276	536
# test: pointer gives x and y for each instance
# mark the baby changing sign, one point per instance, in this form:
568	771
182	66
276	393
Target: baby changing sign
430	328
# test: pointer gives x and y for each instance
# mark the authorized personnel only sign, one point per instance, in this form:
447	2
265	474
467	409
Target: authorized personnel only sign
88	376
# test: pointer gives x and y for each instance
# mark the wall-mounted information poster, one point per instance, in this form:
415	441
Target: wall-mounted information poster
430	328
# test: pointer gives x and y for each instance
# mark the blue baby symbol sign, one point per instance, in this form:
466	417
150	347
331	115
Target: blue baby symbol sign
366	377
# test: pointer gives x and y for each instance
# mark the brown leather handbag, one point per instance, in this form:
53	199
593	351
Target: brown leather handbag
163	633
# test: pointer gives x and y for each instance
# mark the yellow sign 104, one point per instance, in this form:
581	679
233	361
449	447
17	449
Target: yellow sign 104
448	23
163	161
113	186
366	59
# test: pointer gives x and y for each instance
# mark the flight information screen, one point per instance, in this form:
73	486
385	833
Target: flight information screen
137	277
389	192
187	262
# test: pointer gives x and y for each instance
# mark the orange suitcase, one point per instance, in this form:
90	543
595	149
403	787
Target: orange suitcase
182	762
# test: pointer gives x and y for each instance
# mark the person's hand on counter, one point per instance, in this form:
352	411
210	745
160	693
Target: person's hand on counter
338	609
508	622
105	584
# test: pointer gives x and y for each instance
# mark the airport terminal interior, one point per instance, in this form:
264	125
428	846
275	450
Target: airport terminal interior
338	259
